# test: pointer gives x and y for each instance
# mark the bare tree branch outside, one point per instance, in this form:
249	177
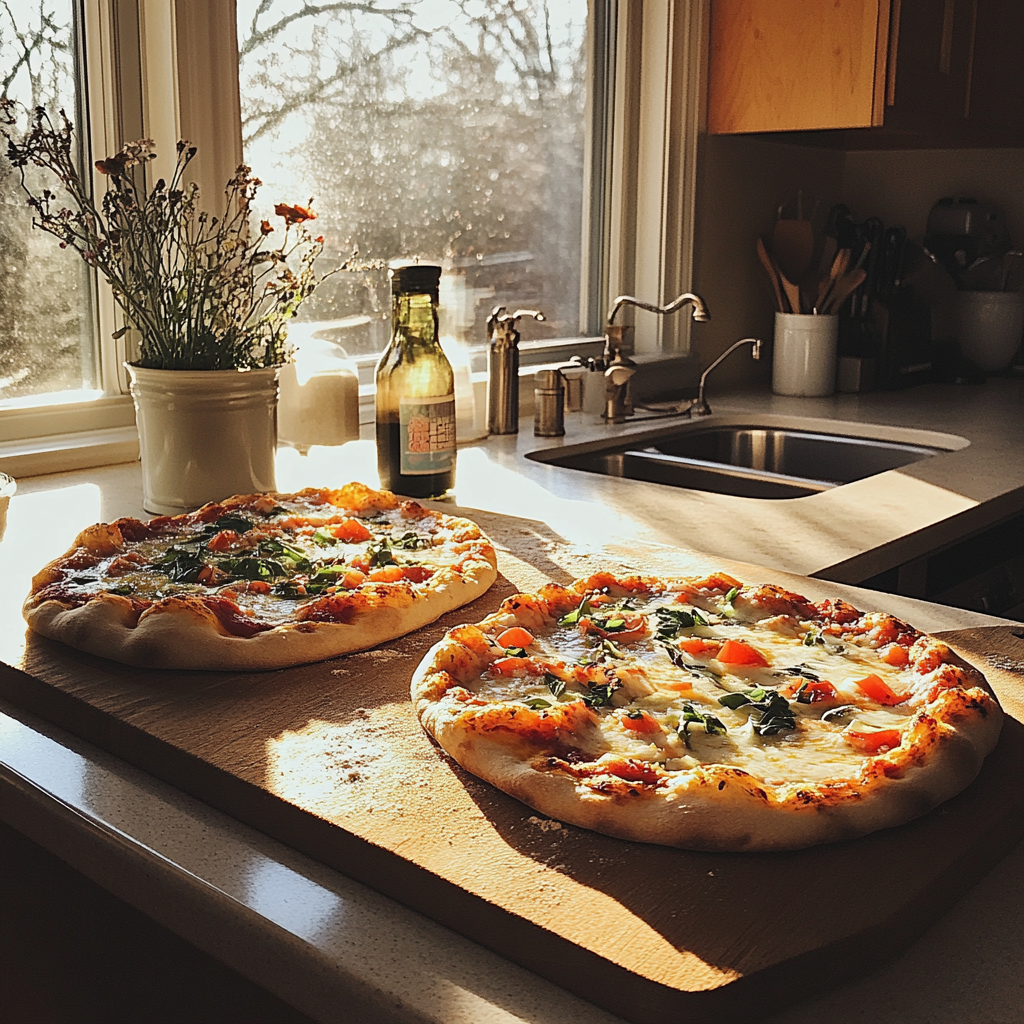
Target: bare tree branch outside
46	337
452	130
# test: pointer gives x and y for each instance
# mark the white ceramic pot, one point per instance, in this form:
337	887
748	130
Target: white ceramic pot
804	360
989	327
204	434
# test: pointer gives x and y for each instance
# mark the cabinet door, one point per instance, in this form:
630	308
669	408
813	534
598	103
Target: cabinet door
791	65
994	99
929	59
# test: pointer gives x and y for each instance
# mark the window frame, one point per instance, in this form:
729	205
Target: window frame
168	70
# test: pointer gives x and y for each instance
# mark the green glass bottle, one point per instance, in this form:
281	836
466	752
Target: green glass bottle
415	391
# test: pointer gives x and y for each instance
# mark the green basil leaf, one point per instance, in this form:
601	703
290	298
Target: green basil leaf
692	716
555	685
537	703
234	521
734	700
599	695
609	648
573	617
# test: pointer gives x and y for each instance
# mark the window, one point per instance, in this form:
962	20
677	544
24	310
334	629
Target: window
47	340
452	130
564	129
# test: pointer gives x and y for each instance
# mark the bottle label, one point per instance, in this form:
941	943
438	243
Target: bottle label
427	434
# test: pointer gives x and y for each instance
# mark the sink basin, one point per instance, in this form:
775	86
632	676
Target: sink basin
747	461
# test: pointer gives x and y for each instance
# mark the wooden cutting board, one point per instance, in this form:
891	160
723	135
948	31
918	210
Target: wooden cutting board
330	759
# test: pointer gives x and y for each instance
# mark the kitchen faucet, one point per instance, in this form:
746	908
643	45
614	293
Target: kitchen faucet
699	405
619	368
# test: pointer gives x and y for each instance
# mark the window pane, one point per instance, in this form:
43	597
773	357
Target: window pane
453	130
47	340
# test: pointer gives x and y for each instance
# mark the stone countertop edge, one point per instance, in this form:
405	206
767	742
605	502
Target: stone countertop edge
325	943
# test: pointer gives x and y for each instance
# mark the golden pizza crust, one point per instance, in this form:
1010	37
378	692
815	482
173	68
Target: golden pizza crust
710	806
181	632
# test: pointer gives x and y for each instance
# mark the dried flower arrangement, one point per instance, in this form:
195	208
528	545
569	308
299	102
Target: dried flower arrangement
204	292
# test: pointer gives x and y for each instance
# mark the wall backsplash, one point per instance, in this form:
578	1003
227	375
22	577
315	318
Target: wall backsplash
742	181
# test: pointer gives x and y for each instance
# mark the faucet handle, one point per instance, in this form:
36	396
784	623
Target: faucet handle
501	325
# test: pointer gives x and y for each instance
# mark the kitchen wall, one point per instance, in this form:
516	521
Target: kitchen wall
901	187
743	180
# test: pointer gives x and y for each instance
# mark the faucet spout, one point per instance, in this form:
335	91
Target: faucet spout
700	309
699	406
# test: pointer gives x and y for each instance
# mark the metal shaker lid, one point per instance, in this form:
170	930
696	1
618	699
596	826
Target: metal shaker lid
548	380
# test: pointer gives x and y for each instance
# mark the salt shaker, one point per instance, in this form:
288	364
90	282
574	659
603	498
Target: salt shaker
549	404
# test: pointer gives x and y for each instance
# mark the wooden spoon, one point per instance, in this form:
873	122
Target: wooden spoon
839	265
773	273
793	248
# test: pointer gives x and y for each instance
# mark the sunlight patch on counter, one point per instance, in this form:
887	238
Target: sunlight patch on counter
41	526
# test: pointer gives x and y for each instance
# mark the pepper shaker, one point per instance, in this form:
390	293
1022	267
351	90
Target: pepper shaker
549	404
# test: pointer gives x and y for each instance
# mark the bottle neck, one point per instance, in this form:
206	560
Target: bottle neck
414	319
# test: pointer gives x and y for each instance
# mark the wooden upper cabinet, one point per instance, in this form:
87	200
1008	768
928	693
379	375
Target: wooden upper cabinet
913	72
796	65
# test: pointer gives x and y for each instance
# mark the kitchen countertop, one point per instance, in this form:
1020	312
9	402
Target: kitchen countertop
320	940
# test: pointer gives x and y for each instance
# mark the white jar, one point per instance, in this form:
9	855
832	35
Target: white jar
804	359
318	407
204	435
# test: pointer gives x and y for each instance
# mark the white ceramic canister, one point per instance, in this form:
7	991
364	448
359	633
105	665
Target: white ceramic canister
804	359
989	327
204	434
320	406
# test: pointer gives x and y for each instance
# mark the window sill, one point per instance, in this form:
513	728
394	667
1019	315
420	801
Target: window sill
59	453
657	375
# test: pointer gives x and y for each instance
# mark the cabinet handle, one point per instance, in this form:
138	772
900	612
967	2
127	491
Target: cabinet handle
894	45
946	48
970	59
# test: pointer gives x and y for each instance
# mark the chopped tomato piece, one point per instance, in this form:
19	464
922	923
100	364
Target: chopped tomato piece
878	689
675	684
699	647
417	573
736	652
640	722
388	574
353	578
255	587
515	637
362	564
517	666
873	742
810	690
896	656
223	540
633	771
350	531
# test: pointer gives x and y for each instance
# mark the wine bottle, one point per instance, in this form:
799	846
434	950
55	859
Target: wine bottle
415	391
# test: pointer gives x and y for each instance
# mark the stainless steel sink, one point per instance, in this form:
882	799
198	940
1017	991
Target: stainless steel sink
748	461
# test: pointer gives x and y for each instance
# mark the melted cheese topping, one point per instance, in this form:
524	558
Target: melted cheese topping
656	686
149	572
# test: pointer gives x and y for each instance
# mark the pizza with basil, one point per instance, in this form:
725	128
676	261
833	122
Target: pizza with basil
707	714
260	581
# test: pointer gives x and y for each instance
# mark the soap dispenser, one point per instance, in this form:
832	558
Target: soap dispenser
503	369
